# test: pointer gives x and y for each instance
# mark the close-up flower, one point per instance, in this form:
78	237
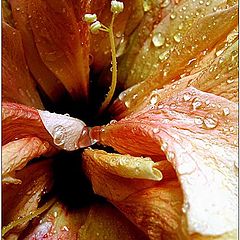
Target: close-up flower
120	119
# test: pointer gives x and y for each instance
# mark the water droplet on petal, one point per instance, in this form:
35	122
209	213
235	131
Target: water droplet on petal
173	15
164	146
164	56
210	121
59	134
154	99
196	103
165	3
177	37
156	130
226	111
170	156
158	39
185	207
146	5
186	97
198	121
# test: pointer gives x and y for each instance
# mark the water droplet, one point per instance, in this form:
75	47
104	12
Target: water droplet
226	111
67	114
185	207
230	81
221	60
180	27
158	39
146	5
156	130
164	56
196	103
234	55
170	156
59	134
177	37
55	214
173	15
210	121
201	2
65	228
186	97
113	121
198	121
18	8
164	146
122	95
165	3
154	99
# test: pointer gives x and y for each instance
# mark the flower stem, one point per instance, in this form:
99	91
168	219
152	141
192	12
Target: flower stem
29	217
114	68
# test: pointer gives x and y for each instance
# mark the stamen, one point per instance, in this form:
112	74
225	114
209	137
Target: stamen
116	7
90	18
29	217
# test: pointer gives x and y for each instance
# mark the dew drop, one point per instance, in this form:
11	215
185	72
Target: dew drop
196	103
164	146
221	60
122	95
177	37
210	121
164	56
158	39
59	134
229	81
156	130
226	111
185	207
170	156
146	5
154	99
18	8
180	27
198	121
165	3
186	97
173	15
55	214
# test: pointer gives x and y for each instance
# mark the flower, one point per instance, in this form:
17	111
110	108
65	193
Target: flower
160	160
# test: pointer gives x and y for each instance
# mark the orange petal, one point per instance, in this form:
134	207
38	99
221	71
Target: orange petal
215	73
198	133
157	211
17	84
52	87
24	120
66	55
16	155
105	222
58	130
57	223
21	200
115	176
175	41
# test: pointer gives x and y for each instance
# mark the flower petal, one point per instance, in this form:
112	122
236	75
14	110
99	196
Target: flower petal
16	155
216	73
52	87
198	133
105	222
20	200
63	54
115	176
58	223
179	41
17	84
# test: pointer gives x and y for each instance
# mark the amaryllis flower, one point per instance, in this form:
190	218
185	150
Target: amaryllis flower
120	119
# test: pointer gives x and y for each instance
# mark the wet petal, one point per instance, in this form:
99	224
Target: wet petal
60	131
105	222
19	200
16	155
124	165
215	73
48	82
198	133
169	60
17	84
115	176
57	223
64	54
